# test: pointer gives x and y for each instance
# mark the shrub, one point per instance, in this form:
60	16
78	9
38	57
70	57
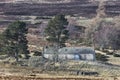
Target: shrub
97	48
101	57
116	55
43	17
37	53
108	52
20	56
35	61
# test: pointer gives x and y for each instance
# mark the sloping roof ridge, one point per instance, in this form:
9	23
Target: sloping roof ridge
75	49
79	47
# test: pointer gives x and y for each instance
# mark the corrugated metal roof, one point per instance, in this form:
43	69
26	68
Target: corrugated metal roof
70	50
73	50
50	50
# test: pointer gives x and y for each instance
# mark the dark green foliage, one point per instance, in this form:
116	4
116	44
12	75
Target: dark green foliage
56	31
108	52
37	53
97	48
14	39
1	43
116	55
43	17
101	57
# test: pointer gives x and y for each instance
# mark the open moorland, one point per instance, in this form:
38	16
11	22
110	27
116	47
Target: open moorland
84	18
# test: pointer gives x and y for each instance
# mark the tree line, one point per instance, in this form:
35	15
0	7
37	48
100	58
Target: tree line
13	41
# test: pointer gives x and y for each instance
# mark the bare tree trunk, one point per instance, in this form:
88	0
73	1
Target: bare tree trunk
16	56
16	51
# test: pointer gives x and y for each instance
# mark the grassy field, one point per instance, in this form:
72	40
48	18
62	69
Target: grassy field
65	71
48	78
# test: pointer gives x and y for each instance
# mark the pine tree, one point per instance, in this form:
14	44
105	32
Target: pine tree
15	42
56	31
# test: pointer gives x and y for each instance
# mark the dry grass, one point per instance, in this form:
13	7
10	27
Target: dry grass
48	78
27	73
114	60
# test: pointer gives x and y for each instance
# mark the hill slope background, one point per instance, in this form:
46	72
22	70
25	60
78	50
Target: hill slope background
80	7
22	9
